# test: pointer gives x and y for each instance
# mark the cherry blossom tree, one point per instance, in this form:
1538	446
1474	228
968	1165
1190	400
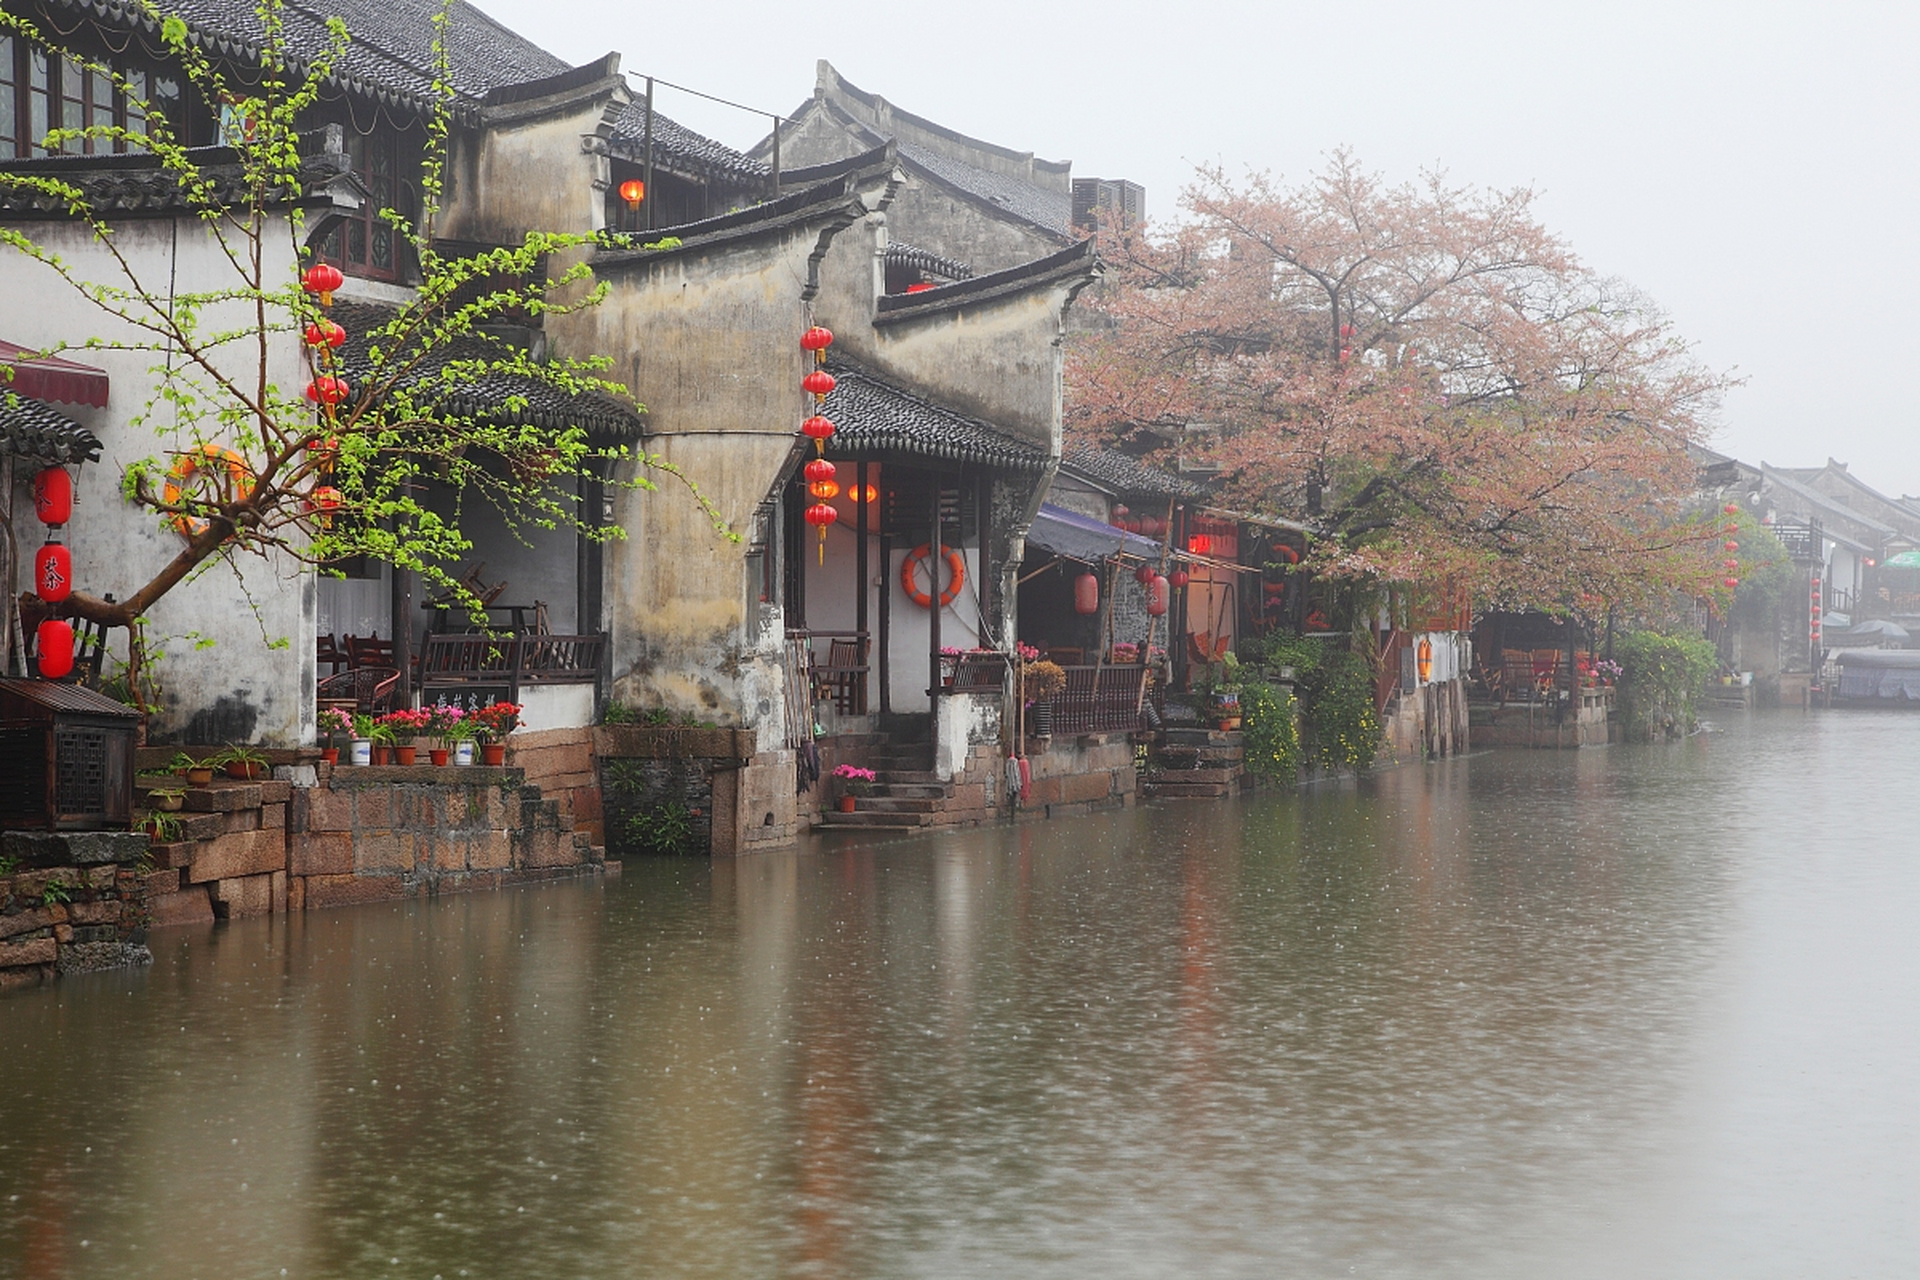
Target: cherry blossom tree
1422	370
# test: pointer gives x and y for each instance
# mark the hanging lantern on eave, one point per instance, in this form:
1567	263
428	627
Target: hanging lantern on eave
1732	583
821	516
1144	574
1732	545
633	191
327	390
53	496
53	640
1086	594
1178	578
818	384
53	573
817	340
1157	593
1732	508
321	279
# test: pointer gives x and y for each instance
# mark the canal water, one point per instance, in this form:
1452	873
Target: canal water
1629	1012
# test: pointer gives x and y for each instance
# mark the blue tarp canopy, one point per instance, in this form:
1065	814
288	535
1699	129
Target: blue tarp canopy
1077	537
1892	674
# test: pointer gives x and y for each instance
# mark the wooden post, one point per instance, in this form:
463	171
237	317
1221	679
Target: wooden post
646	203
861	575
884	642
933	591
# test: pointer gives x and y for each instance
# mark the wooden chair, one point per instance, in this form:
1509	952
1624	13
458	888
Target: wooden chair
1546	669
843	677
369	689
328	654
370	651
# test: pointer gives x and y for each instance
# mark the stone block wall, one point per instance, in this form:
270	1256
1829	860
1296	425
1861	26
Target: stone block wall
72	902
1079	774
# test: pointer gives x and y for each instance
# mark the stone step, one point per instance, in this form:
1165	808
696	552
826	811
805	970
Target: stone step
869	820
915	790
1189	790
898	804
1201	737
1202	753
915	777
1175	776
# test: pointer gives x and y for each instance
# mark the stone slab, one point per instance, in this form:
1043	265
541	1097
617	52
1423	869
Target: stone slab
14	955
320	853
243	897
239	853
70	848
190	906
339	891
223	797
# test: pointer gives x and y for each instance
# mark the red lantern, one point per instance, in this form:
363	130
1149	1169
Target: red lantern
327	390
1732	508
1156	597
325	333
1144	574
633	191
1086	594
1199	544
53	573
322	278
1178	577
820	515
824	490
1732	582
1730	564
817	383
1119	511
817	429
327	498
816	339
1732	545
53	496
54	639
819	469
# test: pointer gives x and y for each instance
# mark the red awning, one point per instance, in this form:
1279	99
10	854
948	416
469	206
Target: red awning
51	378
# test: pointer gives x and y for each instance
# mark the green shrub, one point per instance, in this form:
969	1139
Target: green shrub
1660	677
662	829
1271	733
1335	686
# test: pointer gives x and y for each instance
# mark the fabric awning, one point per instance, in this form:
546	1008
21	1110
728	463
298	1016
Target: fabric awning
1077	537
52	378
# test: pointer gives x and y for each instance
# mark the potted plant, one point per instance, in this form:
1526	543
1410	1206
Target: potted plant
855	782
161	827
461	738
363	732
492	725
1040	684
442	722
1225	695
335	723
242	762
404	726
198	773
166	799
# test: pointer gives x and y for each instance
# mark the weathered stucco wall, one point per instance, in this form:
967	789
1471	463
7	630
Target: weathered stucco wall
221	680
534	166
709	340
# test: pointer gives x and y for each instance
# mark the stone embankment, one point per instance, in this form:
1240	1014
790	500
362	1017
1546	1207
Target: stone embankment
72	902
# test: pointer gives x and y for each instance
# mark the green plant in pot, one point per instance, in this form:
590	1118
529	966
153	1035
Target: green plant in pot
855	782
166	799
198	773
241	762
336	727
161	827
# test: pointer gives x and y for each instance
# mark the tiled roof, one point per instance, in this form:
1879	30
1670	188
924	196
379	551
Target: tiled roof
1124	474
873	414
674	141
138	184
926	261
1048	210
30	428
497	397
390	56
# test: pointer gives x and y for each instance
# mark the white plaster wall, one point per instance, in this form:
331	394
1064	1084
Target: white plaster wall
222	678
556	706
962	721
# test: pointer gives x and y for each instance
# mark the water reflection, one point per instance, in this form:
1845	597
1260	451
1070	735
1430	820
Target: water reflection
1456	1020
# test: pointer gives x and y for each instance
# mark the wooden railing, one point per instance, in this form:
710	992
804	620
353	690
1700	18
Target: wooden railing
1099	700
472	663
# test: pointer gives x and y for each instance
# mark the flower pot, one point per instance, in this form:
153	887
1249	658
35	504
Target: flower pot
200	777
463	753
245	770
848	803
1229	723
166	804
438	755
329	755
1040	720
362	751
493	753
405	754
382	755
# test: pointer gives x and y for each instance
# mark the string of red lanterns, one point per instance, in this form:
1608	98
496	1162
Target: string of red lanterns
818	428
327	389
53	570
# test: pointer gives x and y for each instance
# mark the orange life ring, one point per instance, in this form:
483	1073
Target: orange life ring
1293	557
956	571
238	474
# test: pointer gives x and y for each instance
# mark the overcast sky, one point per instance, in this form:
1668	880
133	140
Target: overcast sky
1752	166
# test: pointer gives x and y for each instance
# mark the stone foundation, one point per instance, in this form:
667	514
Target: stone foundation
1075	775
72	902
